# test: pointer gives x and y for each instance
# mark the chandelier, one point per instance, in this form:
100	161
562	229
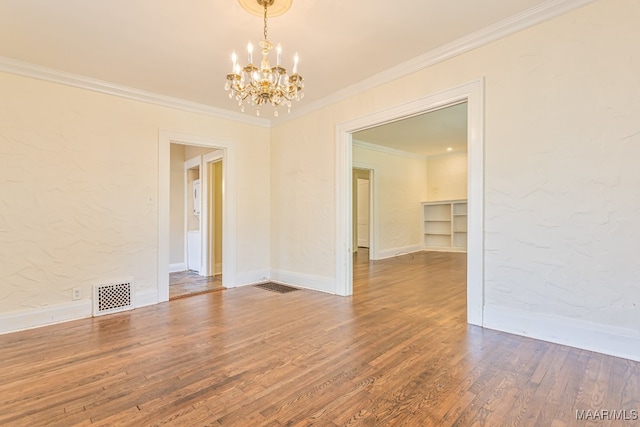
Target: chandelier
264	84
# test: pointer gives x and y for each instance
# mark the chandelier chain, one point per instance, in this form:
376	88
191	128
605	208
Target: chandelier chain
265	20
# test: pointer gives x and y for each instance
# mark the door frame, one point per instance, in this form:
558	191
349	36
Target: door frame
373	210
358	195
229	239
473	94
206	262
188	165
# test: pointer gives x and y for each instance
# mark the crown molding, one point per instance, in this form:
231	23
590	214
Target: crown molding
494	32
402	153
497	31
388	150
74	80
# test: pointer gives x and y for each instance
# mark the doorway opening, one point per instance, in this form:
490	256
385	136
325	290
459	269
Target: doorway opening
362	209
196	202
472	94
196	205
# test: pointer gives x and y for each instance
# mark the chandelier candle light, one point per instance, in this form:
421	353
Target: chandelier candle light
265	84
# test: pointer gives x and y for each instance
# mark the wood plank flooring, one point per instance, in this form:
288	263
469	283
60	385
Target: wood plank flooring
188	283
399	352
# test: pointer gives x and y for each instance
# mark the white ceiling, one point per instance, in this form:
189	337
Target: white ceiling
182	48
427	134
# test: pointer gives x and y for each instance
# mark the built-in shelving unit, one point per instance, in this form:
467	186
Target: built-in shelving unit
445	225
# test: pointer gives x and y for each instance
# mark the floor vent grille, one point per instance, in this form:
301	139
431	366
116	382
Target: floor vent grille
112	298
276	287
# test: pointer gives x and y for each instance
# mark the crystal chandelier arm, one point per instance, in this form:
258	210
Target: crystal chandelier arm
264	84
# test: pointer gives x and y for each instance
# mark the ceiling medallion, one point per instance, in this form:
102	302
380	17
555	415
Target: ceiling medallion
276	8
264	84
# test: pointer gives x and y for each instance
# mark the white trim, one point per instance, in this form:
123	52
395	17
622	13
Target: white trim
441	249
305	281
146	298
473	93
43	316
475	202
229	236
504	28
497	31
177	267
581	334
60	313
388	150
252	277
75	80
344	210
192	163
394	252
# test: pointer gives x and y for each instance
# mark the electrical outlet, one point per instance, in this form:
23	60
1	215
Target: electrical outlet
76	294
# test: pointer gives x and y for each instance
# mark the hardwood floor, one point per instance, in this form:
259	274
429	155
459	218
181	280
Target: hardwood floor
399	352
188	283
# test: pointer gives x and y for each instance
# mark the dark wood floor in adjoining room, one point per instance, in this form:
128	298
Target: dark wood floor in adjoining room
399	352
188	283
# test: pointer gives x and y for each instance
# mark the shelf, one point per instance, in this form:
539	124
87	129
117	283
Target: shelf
459	240
434	240
439	212
445	225
460	224
437	227
459	208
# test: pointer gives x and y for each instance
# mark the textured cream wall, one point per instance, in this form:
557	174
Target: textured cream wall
400	187
176	200
76	171
562	143
447	177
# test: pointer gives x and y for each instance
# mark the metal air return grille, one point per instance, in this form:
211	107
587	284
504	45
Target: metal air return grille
112	298
276	287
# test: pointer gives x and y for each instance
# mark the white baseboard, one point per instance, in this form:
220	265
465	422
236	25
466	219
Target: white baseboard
595	337
48	315
305	281
447	249
251	277
146	298
390	253
174	268
59	313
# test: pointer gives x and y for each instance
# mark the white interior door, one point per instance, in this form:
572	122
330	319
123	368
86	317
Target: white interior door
363	212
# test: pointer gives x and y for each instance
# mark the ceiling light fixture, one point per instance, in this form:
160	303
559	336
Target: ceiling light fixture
264	84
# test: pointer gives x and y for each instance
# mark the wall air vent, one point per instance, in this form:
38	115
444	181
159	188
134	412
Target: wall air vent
112	298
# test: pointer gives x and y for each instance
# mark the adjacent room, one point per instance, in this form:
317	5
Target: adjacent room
195	221
292	212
